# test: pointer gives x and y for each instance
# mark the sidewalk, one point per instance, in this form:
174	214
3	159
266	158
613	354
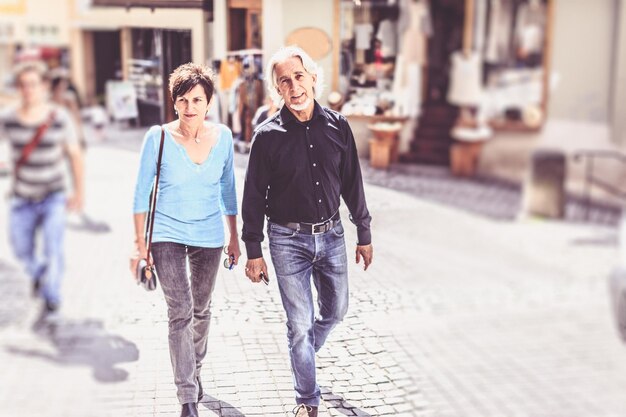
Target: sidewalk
460	315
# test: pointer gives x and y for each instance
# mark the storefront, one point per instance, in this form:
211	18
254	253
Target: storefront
136	45
446	71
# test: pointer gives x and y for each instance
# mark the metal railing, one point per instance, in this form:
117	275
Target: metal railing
589	156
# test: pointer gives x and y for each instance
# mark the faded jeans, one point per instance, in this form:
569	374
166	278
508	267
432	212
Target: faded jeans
26	218
188	308
296	257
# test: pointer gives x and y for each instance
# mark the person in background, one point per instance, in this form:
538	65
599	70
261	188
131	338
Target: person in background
41	133
264	112
63	95
302	161
196	187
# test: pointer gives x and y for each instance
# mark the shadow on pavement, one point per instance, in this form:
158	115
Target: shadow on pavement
83	343
84	223
14	291
605	240
221	408
339	404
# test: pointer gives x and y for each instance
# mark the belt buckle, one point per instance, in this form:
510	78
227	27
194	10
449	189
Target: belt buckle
323	226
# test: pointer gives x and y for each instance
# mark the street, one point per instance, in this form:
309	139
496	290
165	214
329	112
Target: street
460	315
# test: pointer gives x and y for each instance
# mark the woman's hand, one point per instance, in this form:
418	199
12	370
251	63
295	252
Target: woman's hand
233	248
141	252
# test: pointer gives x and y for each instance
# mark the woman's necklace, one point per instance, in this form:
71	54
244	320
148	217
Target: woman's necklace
195	139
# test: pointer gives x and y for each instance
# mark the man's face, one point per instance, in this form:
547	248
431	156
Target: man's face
295	84
31	86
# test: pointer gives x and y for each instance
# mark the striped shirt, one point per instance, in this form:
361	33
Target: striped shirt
43	173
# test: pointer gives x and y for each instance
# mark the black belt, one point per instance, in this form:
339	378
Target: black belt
313	228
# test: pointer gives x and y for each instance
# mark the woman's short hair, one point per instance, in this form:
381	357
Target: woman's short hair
189	75
309	65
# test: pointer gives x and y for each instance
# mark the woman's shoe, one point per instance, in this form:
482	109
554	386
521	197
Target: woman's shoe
200	391
189	410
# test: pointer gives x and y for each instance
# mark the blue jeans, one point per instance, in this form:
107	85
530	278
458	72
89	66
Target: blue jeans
296	257
26	218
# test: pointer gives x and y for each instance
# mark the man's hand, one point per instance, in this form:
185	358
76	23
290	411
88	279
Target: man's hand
254	267
75	203
367	252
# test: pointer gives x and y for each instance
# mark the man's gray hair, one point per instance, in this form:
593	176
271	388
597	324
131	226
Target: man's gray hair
309	65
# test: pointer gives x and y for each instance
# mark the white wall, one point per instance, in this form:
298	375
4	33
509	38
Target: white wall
281	17
619	82
220	13
581	56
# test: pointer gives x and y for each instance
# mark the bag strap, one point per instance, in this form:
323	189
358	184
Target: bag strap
34	142
153	197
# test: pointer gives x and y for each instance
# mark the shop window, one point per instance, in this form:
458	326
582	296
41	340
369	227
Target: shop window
372	69
514	50
509	40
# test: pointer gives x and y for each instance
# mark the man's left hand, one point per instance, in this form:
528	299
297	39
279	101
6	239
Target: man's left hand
367	252
75	203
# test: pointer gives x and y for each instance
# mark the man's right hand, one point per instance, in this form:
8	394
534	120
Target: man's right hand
254	267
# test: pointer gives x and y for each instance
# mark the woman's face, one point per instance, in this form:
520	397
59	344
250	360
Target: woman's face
32	87
192	106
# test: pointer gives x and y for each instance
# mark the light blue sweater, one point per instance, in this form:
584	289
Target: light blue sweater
192	197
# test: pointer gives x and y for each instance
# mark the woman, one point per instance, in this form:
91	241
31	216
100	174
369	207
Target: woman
196	186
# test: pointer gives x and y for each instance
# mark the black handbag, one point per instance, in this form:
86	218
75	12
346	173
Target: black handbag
146	273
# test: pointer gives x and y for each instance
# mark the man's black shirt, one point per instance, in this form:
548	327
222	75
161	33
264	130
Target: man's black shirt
297	172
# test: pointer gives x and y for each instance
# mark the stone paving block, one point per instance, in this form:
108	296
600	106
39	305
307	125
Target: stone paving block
340	412
368	403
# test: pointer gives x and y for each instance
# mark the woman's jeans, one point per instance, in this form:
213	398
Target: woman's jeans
188	308
296	256
26	218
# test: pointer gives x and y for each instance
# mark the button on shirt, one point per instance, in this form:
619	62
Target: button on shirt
297	172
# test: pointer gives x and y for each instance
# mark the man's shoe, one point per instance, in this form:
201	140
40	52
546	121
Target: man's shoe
200	391
189	410
303	410
37	281
51	312
36	287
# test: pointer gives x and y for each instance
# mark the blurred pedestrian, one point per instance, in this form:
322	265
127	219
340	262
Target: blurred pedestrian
62	95
196	186
303	159
264	112
40	134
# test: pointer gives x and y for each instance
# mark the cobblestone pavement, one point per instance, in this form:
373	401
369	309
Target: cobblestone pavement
460	315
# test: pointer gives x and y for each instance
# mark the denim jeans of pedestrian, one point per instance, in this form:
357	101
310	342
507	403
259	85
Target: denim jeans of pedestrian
188	301
28	218
298	257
